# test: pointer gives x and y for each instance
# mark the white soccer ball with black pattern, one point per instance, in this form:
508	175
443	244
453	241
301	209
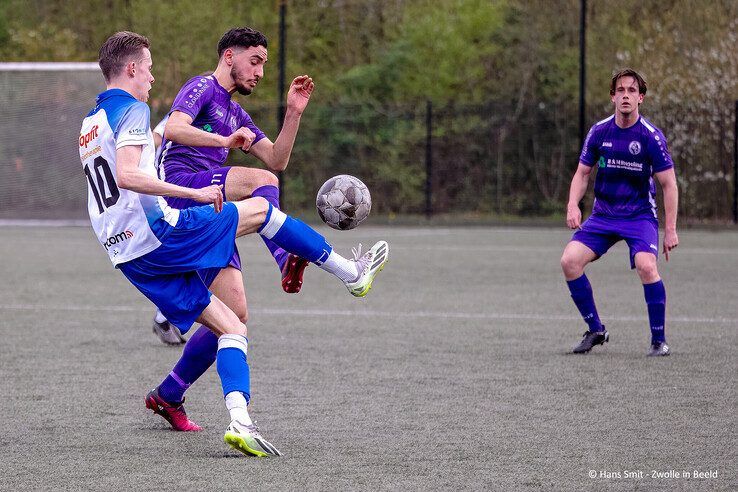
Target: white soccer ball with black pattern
343	202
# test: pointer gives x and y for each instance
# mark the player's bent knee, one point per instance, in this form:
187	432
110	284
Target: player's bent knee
647	270
267	178
242	313
238	329
252	213
571	265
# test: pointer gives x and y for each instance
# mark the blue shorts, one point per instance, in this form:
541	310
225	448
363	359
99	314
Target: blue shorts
197	180
168	276
600	233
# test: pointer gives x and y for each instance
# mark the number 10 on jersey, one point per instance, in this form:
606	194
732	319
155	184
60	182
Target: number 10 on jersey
105	196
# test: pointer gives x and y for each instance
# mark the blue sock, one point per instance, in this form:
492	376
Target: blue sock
198	355
271	194
295	236
581	293
233	368
656	302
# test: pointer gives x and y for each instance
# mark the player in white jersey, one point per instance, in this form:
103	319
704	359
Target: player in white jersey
160	249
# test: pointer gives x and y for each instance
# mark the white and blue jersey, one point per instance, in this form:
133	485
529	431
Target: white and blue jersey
626	160
127	224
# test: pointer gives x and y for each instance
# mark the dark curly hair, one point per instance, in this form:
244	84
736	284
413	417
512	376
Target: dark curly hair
241	37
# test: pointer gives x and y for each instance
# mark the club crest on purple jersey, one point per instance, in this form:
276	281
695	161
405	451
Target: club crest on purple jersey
635	147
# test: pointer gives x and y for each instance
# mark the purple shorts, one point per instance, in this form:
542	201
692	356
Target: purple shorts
600	233
197	180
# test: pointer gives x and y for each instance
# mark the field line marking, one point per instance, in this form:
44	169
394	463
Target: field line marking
383	314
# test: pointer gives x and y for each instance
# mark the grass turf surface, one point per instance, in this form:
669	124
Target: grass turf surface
454	372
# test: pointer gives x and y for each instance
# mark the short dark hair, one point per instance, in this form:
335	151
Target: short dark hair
628	72
241	37
117	50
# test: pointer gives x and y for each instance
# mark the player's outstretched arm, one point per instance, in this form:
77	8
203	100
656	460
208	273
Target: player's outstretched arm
576	192
276	155
130	177
668	182
179	129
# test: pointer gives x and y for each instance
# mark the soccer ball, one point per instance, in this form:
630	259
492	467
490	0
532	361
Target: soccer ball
343	202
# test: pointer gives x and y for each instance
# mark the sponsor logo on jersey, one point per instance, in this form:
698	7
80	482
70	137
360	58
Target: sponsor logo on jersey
137	131
635	147
198	92
601	162
207	128
653	247
88	137
90	153
607	144
621	164
118	238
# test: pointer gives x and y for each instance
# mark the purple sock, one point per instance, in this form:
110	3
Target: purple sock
581	293
656	302
198	355
271	194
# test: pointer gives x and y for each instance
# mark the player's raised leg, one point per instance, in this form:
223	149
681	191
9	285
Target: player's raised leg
244	182
294	236
655	294
575	258
233	369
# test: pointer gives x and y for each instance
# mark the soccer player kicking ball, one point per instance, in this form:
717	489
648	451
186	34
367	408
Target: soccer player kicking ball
160	248
628	152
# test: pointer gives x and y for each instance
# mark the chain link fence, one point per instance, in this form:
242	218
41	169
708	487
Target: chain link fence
496	161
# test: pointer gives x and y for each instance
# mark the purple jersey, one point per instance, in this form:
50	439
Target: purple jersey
212	110
626	160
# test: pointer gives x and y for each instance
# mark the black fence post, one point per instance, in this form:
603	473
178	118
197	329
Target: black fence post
582	68
735	166
428	159
280	87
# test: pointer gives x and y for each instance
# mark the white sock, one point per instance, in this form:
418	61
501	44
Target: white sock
341	267
159	318
236	404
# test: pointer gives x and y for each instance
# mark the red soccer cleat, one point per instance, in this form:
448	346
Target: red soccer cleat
292	273
174	413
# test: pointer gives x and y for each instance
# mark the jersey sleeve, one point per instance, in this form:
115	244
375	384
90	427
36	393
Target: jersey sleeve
589	149
249	123
193	96
659	150
159	128
133	127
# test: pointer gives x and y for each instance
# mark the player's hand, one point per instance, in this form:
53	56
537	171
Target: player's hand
573	217
241	138
299	94
671	241
210	194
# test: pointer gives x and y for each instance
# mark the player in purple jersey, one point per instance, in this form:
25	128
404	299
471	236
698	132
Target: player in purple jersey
204	124
161	250
628	151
